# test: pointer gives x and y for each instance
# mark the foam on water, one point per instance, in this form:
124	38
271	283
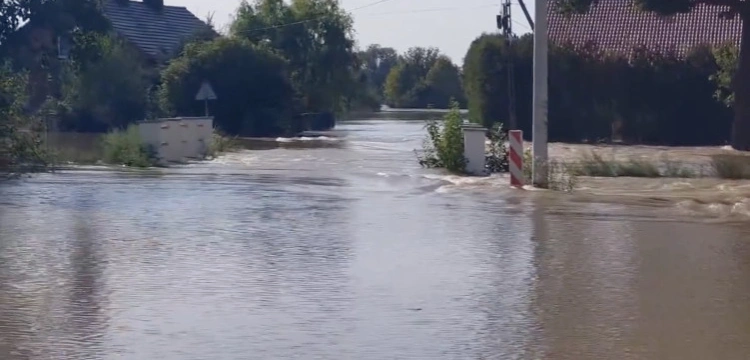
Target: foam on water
305	138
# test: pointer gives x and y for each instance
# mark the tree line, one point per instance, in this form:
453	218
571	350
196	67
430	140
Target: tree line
283	67
650	98
290	66
737	67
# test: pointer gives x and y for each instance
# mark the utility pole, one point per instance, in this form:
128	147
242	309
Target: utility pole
539	131
506	25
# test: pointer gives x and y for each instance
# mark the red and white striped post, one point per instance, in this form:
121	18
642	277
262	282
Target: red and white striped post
515	158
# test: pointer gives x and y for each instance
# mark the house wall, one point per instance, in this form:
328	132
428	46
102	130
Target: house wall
178	139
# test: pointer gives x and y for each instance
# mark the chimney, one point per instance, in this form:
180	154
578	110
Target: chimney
154	4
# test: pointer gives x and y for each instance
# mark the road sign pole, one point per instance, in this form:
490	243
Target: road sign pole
205	93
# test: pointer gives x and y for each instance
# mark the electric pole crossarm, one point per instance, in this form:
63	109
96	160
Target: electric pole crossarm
526	12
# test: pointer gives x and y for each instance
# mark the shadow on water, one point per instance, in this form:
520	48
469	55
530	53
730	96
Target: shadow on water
86	319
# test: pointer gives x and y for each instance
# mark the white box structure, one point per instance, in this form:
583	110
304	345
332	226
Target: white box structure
474	147
178	139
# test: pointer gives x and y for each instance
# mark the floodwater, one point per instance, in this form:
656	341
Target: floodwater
343	248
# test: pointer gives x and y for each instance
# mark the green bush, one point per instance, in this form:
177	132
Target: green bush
497	158
221	143
255	95
444	145
655	98
127	148
21	149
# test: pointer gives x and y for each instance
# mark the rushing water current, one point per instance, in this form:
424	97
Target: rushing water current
343	248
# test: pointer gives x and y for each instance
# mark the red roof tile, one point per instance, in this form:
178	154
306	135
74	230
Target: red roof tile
614	25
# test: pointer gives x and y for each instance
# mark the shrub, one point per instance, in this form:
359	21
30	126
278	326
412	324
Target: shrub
20	133
444	145
221	143
559	176
255	95
127	148
497	158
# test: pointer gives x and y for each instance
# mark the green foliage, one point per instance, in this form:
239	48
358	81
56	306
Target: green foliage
20	141
423	78
320	53
497	158
60	15
375	64
485	78
451	145
255	97
395	86
444	145
125	147
726	58
650	98
740	127
559	174
105	86
443	83
221	143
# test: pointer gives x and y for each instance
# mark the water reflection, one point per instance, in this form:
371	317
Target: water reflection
86	292
639	290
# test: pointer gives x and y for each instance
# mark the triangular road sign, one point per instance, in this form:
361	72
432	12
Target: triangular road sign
206	92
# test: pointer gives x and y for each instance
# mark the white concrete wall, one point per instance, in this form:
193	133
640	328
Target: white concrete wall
474	147
150	134
203	131
178	139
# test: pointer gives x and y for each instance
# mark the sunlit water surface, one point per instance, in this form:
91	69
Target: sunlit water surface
343	248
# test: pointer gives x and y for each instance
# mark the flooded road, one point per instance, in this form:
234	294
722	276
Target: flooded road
343	248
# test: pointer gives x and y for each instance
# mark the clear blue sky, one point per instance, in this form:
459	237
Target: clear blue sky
450	25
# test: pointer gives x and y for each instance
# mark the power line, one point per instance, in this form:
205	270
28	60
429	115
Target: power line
370	4
415	11
426	10
313	19
525	26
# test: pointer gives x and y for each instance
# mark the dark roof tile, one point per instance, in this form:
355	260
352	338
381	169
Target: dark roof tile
616	26
155	32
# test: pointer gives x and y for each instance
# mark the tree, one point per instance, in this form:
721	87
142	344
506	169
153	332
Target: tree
255	97
376	63
740	85
396	86
318	45
20	141
60	15
485	79
443	83
407	84
104	85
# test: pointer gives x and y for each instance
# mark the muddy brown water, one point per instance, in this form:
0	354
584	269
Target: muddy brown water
343	248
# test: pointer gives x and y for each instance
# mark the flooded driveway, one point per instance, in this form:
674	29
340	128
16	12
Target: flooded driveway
343	248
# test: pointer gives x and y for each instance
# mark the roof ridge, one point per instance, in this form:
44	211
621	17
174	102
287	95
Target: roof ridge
144	4
150	30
